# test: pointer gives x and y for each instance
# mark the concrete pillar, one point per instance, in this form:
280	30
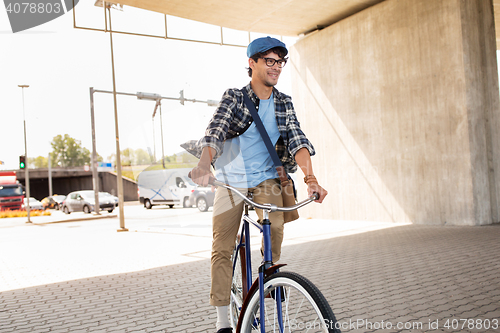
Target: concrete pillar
402	104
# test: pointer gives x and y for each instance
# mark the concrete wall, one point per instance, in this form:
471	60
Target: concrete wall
109	183
402	104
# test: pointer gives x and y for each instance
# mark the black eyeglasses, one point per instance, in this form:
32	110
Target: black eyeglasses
270	62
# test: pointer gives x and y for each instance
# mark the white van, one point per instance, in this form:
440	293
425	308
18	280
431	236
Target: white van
165	187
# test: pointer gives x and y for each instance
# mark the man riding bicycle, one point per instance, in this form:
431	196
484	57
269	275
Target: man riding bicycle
234	146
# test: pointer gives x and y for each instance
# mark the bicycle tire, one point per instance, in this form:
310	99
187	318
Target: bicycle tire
304	308
236	300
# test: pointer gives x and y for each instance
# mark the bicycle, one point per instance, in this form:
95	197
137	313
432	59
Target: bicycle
276	301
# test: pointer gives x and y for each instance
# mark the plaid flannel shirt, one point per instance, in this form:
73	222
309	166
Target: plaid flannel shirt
232	118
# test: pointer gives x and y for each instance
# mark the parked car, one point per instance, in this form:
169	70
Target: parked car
53	201
108	196
79	201
202	198
34	204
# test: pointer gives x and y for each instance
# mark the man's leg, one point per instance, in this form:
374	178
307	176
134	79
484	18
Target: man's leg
228	209
269	191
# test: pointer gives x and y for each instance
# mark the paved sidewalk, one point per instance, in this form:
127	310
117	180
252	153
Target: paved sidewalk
416	277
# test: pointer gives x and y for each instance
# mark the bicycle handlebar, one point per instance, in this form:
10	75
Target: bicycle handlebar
268	207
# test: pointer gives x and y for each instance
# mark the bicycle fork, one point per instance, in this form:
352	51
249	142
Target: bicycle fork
268	262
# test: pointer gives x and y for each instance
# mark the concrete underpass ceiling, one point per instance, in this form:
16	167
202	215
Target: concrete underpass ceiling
283	17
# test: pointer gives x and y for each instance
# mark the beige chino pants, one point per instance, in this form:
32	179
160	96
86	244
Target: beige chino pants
228	209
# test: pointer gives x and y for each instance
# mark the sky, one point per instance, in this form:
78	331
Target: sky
60	64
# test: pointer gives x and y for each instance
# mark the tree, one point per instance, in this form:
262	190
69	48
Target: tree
111	158
38	162
131	157
127	156
67	151
142	157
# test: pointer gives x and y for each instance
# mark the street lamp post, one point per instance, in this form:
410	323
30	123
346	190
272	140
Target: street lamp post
153	160
26	169
95	174
140	95
158	105
50	174
118	157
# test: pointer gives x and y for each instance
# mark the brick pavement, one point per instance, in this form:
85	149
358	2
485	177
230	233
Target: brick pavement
408	274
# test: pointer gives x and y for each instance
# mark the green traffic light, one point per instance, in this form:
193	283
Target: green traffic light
21	165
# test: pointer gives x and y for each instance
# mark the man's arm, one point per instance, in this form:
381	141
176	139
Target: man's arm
201	173
214	138
304	161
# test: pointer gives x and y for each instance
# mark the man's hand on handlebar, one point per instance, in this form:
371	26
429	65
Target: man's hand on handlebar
314	187
201	176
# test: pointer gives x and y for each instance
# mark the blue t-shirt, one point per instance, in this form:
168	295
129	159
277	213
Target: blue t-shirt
245	161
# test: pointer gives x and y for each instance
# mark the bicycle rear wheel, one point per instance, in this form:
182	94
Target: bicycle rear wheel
304	308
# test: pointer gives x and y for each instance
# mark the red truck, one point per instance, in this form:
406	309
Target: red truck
11	192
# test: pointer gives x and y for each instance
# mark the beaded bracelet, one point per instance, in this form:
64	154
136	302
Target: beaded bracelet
309	179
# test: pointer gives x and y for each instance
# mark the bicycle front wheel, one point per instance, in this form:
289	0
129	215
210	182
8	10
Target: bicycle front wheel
303	307
237	287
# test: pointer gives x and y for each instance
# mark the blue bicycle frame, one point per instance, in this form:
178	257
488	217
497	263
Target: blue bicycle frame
265	229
